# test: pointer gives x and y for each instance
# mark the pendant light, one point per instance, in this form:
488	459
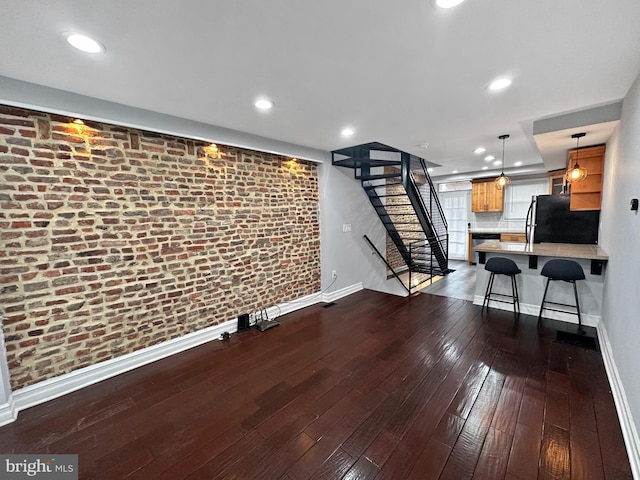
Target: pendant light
576	173
502	181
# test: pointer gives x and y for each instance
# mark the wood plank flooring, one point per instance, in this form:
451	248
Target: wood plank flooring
374	387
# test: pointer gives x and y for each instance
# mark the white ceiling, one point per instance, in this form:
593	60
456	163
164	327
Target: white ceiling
402	73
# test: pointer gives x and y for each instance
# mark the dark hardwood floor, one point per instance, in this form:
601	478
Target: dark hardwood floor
375	386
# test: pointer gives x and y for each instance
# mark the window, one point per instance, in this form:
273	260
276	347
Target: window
455	205
517	197
454	186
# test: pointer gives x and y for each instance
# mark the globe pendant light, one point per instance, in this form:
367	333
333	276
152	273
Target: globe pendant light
502	181
576	173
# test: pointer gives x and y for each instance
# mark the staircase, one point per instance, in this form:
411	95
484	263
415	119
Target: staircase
403	196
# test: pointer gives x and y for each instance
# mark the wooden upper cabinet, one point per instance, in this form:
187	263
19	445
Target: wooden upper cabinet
556	181
587	195
485	197
495	197
478	197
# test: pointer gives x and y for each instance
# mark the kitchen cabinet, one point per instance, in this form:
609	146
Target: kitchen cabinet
513	237
587	195
485	197
556	181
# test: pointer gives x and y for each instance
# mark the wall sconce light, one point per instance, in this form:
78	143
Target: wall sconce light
576	173
213	151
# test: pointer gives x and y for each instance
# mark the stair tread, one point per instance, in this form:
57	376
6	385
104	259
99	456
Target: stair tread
395	205
400	223
377	177
357	162
391	195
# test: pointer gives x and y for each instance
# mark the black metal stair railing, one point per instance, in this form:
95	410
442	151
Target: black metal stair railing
426	193
381	257
404	198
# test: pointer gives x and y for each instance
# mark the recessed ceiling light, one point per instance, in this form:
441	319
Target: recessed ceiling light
497	162
499	83
479	150
455	171
518	164
347	132
84	43
448	3
485	168
429	169
263	104
488	158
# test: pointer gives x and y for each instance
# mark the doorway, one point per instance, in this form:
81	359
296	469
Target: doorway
456	206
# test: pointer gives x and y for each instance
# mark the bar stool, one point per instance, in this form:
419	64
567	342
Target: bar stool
502	266
567	271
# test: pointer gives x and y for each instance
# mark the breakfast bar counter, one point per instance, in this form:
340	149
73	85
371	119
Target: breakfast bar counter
564	250
530	258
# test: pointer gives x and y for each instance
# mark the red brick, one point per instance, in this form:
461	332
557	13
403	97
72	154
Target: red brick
127	231
78	338
21	225
70	290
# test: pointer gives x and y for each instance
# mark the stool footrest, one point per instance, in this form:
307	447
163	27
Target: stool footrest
491	295
489	299
557	310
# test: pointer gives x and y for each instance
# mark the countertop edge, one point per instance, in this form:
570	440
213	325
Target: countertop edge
565	250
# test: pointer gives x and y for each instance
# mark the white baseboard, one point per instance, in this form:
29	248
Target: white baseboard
629	431
343	292
70	382
529	309
8	412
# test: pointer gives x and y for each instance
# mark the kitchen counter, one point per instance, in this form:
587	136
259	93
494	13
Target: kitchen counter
505	235
529	257
565	250
496	230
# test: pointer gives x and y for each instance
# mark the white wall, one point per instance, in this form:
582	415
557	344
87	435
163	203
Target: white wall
620	238
45	99
343	201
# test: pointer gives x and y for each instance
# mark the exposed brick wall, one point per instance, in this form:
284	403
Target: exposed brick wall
394	259
114	239
393	185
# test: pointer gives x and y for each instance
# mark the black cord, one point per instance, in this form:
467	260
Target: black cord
293	302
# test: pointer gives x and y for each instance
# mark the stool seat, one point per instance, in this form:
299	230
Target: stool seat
502	266
569	271
560	269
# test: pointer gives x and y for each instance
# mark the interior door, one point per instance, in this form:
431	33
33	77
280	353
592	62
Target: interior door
455	206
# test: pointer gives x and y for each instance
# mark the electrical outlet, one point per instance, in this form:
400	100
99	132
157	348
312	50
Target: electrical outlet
334	274
346	227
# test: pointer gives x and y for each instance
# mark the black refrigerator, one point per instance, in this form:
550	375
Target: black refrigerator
554	222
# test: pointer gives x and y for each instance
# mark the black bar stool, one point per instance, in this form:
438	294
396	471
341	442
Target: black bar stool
567	271
502	266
